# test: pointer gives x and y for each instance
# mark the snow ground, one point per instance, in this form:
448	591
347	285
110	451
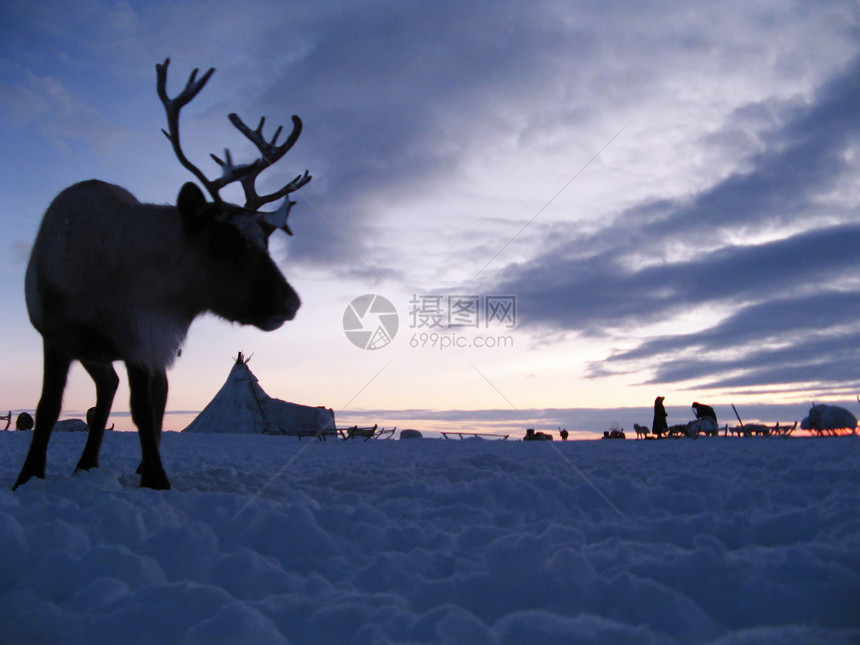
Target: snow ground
430	541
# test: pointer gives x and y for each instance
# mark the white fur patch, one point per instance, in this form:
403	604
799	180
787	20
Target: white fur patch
158	339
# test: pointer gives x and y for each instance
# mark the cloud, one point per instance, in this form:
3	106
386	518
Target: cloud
21	251
767	353
764	244
599	292
735	178
407	99
392	98
60	115
422	98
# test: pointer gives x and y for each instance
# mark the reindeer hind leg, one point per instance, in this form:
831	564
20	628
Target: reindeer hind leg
146	401
106	382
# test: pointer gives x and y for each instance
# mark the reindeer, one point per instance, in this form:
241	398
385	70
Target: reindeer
112	279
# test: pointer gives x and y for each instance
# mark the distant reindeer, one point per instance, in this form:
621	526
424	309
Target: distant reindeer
112	279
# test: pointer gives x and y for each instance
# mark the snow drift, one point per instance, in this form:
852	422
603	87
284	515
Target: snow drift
267	540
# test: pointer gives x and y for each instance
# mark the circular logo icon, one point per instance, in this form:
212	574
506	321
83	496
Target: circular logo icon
370	321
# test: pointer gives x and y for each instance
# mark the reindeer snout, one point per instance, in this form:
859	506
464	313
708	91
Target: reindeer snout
293	304
274	306
289	306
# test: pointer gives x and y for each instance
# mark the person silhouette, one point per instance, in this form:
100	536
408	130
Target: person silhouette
703	411
659	426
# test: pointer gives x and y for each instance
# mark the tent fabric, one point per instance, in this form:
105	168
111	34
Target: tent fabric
242	406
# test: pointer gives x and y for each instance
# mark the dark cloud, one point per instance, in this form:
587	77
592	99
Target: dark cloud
391	97
793	300
394	95
802	160
829	362
602	293
773	318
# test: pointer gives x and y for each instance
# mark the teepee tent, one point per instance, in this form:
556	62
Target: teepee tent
241	406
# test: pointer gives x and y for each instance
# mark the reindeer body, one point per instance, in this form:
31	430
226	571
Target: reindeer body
112	279
106	277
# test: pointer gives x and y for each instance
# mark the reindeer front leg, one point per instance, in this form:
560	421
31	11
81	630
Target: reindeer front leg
56	371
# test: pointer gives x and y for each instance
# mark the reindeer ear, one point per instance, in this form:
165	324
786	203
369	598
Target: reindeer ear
191	205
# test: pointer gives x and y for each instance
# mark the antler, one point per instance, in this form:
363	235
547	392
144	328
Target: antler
172	107
270	153
245	173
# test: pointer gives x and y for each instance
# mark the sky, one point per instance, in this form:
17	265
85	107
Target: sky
667	192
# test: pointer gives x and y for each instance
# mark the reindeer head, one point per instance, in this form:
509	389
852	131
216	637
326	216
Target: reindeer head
233	239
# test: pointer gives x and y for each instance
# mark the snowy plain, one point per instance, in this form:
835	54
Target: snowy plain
267	539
